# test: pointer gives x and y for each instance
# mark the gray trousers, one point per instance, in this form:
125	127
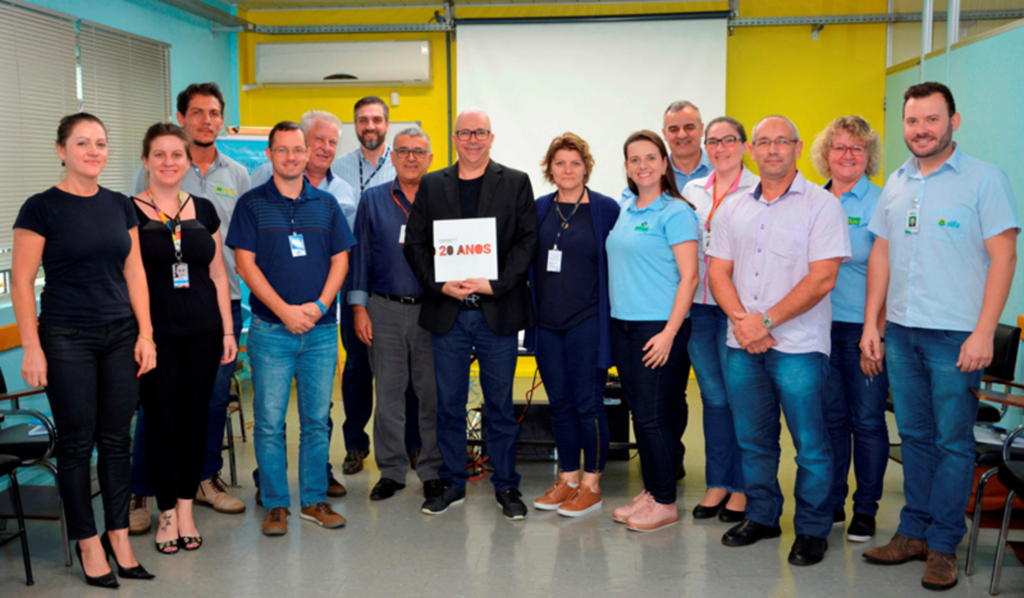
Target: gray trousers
400	349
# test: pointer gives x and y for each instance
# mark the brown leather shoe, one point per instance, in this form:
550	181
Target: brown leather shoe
900	549
323	515
335	489
353	462
940	574
140	515
276	522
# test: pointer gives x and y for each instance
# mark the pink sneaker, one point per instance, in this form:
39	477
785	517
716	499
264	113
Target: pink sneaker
653	516
622	514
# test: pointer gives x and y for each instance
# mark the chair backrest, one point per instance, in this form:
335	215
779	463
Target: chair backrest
1004	361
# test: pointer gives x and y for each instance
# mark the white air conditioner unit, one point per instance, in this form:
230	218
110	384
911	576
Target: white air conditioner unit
329	64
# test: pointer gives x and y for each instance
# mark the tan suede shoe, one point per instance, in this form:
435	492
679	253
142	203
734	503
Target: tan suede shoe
557	494
323	515
584	500
276	522
212	493
140	515
941	572
899	550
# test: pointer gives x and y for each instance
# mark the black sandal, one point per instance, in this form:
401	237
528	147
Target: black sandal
166	547
184	541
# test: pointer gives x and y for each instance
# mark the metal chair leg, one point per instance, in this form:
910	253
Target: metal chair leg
16	502
972	545
997	566
231	451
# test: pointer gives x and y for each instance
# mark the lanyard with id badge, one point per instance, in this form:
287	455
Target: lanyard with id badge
295	240
401	231
555	254
179	269
913	216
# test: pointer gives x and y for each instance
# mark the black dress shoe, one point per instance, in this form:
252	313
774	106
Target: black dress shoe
432	489
807	550
702	512
107	580
730	516
749	532
385	488
136	572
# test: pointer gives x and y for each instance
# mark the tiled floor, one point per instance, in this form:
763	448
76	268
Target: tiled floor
390	549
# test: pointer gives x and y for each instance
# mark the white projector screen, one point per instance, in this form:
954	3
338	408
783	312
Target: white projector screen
601	81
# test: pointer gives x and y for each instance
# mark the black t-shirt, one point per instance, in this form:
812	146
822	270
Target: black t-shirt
568	297
87	243
469	195
191	310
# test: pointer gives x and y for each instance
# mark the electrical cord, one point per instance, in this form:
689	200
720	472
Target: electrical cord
474	429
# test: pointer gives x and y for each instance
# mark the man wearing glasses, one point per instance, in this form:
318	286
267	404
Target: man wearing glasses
291	243
775	256
386	298
476	315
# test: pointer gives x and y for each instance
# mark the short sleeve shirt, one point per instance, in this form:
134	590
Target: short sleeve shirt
331	183
937	275
850	293
642	272
772	245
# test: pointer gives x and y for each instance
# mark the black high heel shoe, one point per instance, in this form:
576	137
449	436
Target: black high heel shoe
106	580
136	572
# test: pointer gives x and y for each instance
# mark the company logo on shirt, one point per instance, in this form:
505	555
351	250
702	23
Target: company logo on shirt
222	190
643	228
854	221
949	223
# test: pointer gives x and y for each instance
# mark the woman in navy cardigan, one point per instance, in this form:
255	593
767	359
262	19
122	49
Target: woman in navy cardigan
569	287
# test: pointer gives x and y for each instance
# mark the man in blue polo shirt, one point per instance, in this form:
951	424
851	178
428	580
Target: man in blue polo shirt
942	264
291	244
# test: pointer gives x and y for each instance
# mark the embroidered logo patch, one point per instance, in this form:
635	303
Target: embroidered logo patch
222	190
643	227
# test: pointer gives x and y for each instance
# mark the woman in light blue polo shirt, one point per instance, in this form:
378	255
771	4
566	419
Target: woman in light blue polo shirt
848	152
652	277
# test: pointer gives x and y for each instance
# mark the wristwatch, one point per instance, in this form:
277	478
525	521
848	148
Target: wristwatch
766	321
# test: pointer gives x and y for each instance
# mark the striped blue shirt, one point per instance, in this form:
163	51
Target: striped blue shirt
342	191
360	174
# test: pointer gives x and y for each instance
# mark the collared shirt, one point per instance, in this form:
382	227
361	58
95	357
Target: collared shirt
852	283
937	275
378	264
331	183
772	245
701	193
682	179
643	276
225	181
360	173
263	224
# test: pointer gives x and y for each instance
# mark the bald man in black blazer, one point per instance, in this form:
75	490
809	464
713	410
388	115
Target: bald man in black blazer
476	315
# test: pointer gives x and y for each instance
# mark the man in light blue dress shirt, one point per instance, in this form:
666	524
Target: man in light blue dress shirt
942	264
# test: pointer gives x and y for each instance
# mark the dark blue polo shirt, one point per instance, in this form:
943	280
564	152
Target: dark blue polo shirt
263	222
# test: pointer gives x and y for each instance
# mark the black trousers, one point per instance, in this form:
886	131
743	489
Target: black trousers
176	400
93	391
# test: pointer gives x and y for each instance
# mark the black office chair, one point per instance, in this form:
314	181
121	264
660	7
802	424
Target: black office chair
1011	474
8	465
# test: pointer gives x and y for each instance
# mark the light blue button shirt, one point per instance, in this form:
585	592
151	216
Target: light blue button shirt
937	275
642	273
682	179
332	184
360	174
852	283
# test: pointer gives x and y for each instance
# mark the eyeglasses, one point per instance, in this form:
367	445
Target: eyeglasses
727	141
417	153
781	142
466	134
857	150
284	151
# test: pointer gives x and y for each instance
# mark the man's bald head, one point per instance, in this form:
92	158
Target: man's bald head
792	127
473	114
473	139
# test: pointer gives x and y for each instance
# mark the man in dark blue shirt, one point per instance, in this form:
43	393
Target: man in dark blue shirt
291	245
385	297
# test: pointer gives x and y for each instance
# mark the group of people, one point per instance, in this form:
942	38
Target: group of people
780	293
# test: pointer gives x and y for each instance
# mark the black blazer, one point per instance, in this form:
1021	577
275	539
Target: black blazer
506	196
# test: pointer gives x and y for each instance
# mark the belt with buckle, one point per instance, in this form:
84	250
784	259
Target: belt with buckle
402	300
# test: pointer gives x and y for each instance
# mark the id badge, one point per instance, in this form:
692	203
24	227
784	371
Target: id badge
707	240
554	260
913	215
297	244
180	275
401	235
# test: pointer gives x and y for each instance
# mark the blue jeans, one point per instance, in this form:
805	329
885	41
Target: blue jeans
855	405
758	385
497	355
357	390
935	413
278	357
722	457
216	420
650	394
567	360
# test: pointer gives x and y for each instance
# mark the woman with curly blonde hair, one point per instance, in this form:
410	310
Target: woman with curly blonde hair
848	152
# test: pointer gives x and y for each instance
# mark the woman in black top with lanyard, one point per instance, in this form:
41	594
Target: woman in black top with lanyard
93	341
191	310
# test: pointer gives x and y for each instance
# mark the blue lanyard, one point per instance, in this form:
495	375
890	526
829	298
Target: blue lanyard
362	183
